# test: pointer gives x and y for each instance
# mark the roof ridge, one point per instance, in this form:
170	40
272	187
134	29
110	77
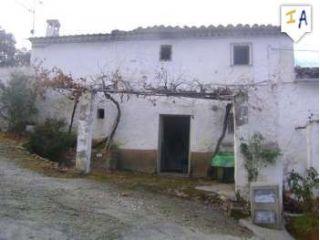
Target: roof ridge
161	31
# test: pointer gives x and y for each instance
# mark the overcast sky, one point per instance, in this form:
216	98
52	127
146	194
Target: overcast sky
101	16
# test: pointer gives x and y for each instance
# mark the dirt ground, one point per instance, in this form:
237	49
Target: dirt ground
35	206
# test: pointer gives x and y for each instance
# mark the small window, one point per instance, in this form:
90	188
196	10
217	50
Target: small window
241	54
165	52
100	113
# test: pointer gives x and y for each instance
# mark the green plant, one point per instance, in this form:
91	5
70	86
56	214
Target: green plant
9	54
303	186
17	102
50	140
257	155
7	48
306	223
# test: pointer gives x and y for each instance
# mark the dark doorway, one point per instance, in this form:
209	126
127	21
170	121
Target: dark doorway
174	143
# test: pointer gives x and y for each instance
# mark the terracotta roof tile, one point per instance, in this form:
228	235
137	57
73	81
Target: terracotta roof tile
163	32
307	72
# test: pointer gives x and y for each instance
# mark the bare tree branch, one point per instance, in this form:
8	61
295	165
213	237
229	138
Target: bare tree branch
223	133
117	120
75	104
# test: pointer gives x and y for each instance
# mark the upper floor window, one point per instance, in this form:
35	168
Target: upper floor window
241	54
100	113
165	52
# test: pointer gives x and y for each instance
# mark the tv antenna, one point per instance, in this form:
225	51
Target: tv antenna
32	10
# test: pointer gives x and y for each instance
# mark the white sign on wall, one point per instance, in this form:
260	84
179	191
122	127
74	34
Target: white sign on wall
296	20
265	204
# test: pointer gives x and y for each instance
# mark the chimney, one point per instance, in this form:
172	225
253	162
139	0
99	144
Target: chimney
53	26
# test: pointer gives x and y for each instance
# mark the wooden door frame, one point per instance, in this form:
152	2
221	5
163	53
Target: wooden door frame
160	136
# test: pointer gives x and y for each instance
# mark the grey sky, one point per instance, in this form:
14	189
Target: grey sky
92	16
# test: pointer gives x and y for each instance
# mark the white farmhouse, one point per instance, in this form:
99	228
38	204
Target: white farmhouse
180	134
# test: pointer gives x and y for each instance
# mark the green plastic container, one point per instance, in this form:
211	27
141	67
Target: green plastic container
223	166
225	159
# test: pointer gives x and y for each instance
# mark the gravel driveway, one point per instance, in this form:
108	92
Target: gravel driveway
33	206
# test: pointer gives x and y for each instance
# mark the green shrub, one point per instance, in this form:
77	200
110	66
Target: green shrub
305	226
302	186
17	102
307	223
257	155
50	140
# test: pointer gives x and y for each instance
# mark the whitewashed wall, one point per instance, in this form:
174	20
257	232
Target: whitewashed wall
139	125
298	103
263	118
208	60
275	105
276	111
312	136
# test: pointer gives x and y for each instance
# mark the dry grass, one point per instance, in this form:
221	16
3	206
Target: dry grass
173	186
12	147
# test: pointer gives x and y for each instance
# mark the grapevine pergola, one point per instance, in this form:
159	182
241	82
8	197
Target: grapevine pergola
114	86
